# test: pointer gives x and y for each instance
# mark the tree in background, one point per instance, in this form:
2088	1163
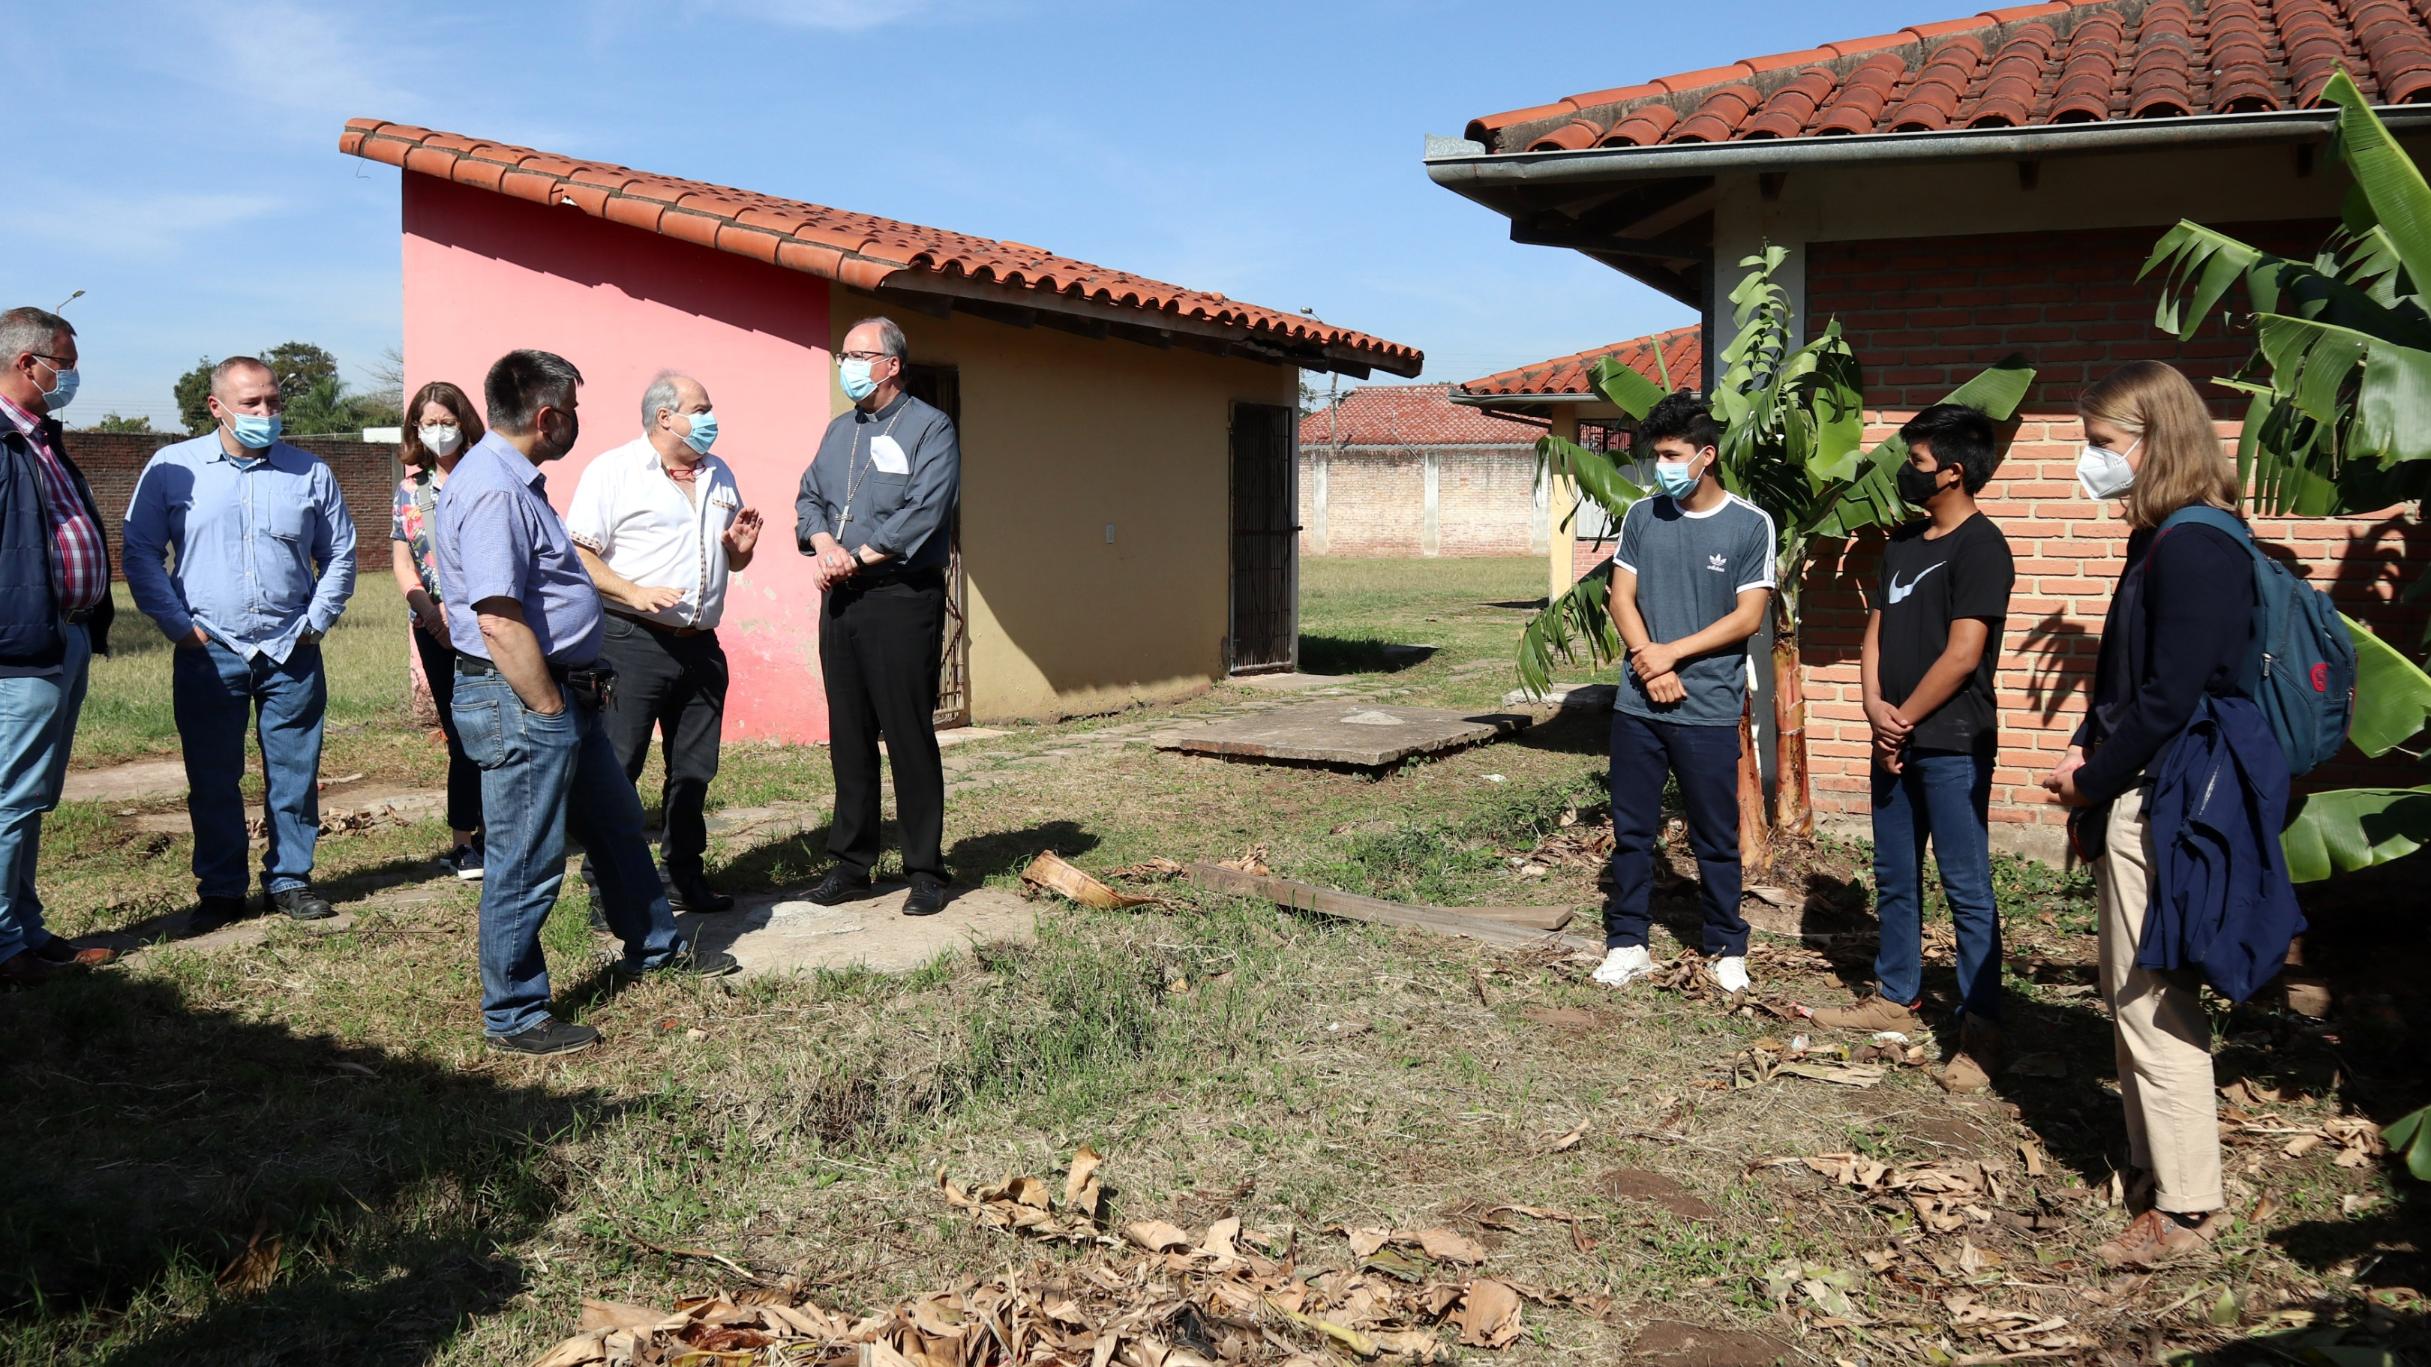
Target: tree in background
111	422
318	400
1793	443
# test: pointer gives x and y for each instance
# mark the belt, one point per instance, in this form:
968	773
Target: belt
76	616
662	628
474	664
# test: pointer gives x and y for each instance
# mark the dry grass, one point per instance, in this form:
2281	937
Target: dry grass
407	1199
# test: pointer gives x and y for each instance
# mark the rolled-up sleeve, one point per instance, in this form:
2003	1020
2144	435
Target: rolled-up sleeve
334	548
936	472
494	555
144	547
587	516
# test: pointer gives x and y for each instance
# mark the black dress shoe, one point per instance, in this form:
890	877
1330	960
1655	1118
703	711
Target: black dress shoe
927	896
68	954
690	891
300	904
549	1037
210	913
841	885
693	963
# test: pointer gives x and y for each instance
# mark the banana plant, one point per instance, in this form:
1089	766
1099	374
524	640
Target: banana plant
2338	420
1793	443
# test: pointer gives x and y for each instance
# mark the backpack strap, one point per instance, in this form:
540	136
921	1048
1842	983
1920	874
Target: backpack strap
2205	515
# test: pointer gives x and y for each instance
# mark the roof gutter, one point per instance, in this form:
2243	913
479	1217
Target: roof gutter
1520	400
1460	165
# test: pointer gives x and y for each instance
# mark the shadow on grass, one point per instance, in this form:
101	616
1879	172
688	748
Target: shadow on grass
189	1185
790	860
1332	655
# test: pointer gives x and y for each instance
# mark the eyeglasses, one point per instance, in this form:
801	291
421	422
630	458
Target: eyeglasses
860	355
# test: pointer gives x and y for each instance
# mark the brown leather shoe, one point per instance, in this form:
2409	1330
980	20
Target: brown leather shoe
2154	1238
1978	1058
1872	1015
67	954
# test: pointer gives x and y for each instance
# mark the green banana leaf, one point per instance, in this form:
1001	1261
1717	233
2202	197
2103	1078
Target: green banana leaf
2355	828
1872	498
1576	623
2313	367
1595	474
2392	695
2387	177
1626	389
2411	1136
2354	288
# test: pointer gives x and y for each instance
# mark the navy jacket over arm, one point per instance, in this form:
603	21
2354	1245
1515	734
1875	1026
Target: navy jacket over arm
2222	901
29	601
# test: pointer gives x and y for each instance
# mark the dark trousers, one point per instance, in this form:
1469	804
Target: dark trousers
1705	760
880	647
676	686
463	776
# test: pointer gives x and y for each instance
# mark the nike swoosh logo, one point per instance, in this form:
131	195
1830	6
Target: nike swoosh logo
1899	591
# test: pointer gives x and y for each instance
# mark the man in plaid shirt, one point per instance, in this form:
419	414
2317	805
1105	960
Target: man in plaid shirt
54	617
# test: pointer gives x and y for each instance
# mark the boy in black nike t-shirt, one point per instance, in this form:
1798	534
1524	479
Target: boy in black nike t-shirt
1930	646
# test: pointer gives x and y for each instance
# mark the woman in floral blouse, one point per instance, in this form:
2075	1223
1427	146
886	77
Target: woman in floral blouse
441	426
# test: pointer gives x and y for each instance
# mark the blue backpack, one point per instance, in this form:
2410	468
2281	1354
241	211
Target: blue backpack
2302	673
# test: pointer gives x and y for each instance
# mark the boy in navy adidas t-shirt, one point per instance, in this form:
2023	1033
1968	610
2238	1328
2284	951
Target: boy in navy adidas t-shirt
1930	646
1689	585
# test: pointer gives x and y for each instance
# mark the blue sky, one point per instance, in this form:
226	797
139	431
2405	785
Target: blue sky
183	171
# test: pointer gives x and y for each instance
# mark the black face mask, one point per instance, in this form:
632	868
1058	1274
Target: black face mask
1918	486
559	447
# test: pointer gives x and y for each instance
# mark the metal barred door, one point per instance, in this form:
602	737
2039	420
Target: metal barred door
940	387
1265	539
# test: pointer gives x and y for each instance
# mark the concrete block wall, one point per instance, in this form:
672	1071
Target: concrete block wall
1421	501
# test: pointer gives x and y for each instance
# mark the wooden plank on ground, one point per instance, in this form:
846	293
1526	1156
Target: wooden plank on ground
1351	906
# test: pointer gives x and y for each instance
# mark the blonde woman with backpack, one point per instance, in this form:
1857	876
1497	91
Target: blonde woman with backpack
2179	631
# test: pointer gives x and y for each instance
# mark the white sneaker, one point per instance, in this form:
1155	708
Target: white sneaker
1622	967
1730	973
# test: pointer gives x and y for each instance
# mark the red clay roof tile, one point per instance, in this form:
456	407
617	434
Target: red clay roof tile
1409	416
2060	61
859	250
1682	350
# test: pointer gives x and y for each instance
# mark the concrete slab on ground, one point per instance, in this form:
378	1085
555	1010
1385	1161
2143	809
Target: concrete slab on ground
786	933
355	804
1351	733
1292	682
137	780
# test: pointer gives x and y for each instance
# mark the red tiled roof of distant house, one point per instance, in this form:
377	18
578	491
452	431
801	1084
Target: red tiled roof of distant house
860	250
2062	62
1410	415
1682	350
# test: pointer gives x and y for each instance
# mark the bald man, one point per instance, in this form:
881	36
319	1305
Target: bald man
265	561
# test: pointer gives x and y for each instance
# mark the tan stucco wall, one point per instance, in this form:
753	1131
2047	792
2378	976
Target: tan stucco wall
1061	436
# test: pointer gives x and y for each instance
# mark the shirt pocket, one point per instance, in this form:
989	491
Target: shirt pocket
881	495
289	521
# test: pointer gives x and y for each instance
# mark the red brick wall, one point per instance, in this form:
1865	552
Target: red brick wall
1923	315
367	476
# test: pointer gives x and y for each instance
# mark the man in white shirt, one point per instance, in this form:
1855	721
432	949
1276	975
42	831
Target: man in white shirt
660	524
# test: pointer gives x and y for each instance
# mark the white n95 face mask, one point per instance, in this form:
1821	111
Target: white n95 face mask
2104	474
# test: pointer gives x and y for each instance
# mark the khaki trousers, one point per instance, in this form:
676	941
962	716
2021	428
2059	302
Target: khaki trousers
2164	1039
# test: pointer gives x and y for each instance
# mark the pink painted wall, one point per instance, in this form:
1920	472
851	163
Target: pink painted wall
486	274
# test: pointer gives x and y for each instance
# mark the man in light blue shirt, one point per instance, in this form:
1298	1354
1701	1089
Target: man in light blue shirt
265	561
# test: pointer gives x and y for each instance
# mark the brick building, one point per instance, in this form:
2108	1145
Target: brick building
1957	191
1393	470
1561	394
367	476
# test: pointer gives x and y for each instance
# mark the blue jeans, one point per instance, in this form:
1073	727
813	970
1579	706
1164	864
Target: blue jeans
541	777
215	692
37	723
1705	759
1944	796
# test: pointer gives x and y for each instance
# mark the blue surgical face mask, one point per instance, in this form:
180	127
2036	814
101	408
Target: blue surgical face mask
853	374
63	388
1677	477
703	434
254	431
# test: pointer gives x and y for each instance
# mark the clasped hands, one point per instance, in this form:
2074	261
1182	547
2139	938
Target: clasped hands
834	564
1658	668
